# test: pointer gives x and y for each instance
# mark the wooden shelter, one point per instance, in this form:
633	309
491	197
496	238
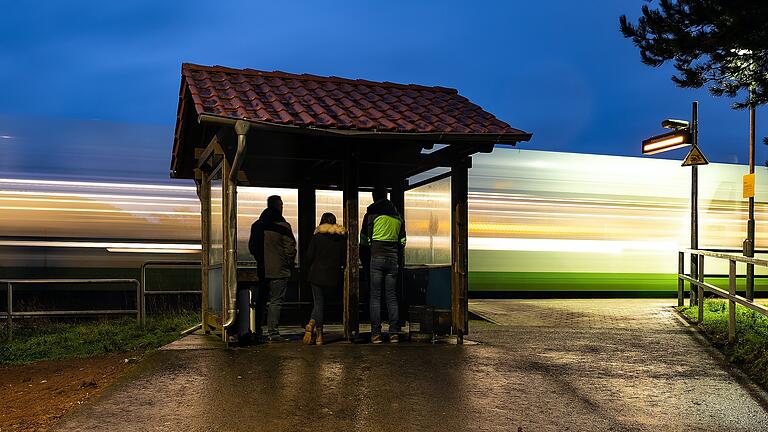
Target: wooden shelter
243	127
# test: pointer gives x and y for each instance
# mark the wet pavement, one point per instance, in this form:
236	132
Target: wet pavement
547	365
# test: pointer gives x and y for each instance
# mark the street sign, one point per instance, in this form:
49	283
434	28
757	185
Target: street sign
749	186
668	141
695	157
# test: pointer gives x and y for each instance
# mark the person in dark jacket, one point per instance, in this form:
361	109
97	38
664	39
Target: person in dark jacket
326	256
273	246
382	238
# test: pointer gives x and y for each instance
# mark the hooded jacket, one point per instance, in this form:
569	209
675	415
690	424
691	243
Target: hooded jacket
272	245
326	255
383	230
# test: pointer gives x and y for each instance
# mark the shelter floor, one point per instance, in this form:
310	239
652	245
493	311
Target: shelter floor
548	365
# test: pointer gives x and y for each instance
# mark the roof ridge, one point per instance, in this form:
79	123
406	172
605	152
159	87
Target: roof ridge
310	77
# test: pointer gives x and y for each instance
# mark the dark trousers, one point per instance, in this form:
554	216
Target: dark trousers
274	291
384	277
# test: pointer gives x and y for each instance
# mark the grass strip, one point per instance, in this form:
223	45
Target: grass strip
750	351
55	340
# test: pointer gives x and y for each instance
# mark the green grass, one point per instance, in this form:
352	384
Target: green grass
573	281
750	351
51	340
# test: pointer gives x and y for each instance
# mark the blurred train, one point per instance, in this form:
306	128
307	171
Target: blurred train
538	221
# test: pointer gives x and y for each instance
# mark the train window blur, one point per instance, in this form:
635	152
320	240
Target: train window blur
251	202
428	223
216	253
329	201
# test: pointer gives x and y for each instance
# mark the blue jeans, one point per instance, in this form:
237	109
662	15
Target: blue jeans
275	289
384	273
317	305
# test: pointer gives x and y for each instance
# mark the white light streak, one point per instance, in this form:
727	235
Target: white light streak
161	251
559	245
133	186
100	245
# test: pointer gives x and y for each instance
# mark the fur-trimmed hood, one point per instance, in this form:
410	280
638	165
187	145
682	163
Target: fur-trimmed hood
330	229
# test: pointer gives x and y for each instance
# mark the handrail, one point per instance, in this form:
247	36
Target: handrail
9	314
144	292
723	293
727	256
172	263
760	251
697	280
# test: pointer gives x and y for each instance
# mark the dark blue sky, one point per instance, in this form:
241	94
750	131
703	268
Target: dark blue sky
559	69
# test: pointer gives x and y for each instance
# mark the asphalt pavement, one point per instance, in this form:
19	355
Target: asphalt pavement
542	365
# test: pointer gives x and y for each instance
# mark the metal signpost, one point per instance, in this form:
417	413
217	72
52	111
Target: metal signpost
749	242
684	134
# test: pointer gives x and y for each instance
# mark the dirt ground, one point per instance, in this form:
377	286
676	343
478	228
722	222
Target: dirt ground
35	396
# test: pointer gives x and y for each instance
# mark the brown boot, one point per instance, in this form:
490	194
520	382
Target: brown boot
319	335
308	330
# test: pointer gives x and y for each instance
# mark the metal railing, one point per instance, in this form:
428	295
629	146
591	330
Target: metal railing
9	314
730	295
145	292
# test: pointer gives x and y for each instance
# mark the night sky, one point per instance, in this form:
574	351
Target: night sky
559	69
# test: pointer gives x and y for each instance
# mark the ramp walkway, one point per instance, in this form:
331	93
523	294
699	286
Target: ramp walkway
547	365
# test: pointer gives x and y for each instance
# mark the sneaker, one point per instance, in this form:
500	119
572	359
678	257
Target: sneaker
394	338
376	339
276	338
308	330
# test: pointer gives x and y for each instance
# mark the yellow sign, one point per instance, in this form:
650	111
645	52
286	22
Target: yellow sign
749	186
695	157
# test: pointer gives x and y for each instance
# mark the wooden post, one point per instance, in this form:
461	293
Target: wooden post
307	223
701	289
352	267
397	196
680	282
9	311
204	193
225	221
459	248
731	303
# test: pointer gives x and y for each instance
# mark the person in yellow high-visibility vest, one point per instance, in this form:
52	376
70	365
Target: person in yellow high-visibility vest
382	238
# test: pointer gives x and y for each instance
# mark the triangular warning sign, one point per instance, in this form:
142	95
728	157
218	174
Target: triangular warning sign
695	157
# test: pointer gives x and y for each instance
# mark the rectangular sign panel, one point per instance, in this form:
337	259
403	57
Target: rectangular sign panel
749	186
665	142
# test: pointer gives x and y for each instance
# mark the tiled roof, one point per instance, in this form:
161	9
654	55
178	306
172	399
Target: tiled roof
338	103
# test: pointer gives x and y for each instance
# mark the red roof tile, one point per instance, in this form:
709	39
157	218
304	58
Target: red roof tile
336	103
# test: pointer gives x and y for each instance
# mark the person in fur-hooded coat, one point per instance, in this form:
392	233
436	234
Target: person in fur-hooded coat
326	256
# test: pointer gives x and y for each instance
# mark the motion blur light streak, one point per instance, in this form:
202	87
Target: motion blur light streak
544	245
531	213
62	209
163	251
101	245
95	184
82	195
